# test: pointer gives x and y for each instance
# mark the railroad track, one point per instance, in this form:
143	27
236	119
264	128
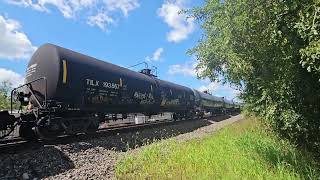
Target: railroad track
15	145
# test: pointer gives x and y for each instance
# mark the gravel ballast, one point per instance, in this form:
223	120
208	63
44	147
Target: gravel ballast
95	158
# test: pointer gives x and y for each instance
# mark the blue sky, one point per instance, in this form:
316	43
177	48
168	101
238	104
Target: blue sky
123	32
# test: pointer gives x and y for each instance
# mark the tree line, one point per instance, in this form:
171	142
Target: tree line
270	50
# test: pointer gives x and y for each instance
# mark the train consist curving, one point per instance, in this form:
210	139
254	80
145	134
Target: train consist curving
68	93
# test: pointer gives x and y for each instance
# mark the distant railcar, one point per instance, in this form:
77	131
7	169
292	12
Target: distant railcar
175	97
209	103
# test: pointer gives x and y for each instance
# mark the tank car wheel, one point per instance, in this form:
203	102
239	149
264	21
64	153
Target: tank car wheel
93	126
47	131
43	133
26	132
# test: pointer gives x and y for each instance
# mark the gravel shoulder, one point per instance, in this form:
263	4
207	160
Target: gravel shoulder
207	130
95	158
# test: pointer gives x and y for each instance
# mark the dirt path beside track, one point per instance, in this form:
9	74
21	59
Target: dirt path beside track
206	130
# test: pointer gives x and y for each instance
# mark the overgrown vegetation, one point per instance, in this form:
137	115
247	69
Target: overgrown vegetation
243	150
270	50
5	88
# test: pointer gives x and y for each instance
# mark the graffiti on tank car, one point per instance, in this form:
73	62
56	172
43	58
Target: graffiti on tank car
147	101
145	98
173	102
166	102
141	96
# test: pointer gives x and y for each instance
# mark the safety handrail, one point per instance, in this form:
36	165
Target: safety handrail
28	86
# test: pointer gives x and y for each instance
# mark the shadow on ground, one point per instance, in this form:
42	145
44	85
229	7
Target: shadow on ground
40	163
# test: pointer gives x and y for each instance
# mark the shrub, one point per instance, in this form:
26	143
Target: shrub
270	51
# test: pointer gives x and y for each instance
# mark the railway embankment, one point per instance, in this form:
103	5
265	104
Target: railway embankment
96	158
244	150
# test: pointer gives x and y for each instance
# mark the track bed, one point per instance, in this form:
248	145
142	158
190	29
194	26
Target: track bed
92	156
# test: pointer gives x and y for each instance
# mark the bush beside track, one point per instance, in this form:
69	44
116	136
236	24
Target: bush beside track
245	150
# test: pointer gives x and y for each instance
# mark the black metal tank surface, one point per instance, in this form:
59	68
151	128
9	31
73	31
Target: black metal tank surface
208	103
68	93
175	97
81	82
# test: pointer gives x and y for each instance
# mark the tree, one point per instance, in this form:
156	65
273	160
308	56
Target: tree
5	88
269	50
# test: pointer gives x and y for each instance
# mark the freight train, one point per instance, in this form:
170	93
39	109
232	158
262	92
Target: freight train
66	92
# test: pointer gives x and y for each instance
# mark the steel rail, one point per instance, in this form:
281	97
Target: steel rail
17	144
14	145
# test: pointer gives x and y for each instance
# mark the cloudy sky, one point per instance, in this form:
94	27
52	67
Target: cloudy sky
123	32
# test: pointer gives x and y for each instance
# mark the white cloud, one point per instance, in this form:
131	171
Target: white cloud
181	25
186	69
215	88
101	20
156	55
14	44
219	89
212	86
98	13
68	8
124	5
8	75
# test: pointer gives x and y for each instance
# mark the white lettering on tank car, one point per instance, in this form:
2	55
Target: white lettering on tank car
110	85
31	69
91	82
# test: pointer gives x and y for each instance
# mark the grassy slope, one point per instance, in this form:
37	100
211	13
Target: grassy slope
244	150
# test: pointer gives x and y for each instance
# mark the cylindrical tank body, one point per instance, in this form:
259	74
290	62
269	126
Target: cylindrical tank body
197	98
85	83
175	97
209	102
228	104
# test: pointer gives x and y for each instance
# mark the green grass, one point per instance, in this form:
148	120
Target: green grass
245	150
